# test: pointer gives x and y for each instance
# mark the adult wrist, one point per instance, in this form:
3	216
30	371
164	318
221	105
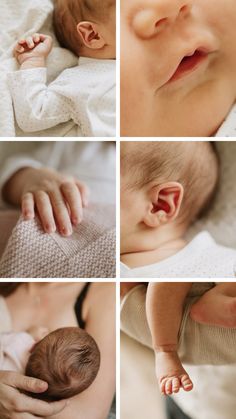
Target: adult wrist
13	188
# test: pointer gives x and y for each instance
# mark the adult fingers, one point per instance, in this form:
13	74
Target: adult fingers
37	407
22	382
84	192
45	211
61	213
27	206
73	199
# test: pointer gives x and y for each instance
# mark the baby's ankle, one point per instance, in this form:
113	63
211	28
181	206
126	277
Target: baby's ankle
167	348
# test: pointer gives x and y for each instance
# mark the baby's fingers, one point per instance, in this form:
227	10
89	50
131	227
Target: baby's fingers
27	206
45	211
19	48
73	199
30	42
36	38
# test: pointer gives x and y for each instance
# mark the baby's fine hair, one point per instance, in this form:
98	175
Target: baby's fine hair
68	13
68	359
194	164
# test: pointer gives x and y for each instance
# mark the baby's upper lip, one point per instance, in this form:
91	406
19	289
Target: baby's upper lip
189	52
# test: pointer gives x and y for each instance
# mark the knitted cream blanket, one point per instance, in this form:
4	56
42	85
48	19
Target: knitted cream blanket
89	253
198	344
19	18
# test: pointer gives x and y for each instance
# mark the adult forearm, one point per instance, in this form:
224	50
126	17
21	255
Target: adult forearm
195	340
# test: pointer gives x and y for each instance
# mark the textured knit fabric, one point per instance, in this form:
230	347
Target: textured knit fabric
15	350
89	253
85	94
196	341
201	258
228	128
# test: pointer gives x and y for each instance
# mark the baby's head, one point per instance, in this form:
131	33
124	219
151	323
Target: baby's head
68	359
185	53
163	185
86	27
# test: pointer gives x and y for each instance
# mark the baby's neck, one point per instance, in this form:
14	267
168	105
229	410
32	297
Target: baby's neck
154	247
98	54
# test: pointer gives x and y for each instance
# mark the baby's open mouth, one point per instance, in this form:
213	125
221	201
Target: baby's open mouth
189	63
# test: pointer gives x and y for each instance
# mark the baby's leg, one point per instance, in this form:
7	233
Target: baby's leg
217	307
164	306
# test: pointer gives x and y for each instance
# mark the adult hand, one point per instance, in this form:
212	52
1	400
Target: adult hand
59	199
16	405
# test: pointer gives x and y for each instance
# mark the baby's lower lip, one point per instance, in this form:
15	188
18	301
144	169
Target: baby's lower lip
188	64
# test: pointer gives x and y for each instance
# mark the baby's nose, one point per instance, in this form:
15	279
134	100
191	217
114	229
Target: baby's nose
156	15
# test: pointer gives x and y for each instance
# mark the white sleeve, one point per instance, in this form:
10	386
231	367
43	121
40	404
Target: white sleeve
37	106
14	350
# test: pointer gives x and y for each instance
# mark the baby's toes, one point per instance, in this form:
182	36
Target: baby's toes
168	386
163	386
186	382
175	385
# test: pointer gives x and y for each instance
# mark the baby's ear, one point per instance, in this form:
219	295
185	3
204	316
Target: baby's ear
165	202
90	35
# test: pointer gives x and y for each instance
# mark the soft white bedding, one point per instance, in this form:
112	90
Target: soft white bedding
17	19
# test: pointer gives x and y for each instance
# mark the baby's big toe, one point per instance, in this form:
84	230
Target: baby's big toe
186	382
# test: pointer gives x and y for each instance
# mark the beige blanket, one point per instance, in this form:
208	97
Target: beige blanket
89	253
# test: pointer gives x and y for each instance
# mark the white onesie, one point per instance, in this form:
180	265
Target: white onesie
228	128
15	350
201	258
84	94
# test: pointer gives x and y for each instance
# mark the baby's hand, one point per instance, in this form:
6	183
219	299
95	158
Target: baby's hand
33	50
58	199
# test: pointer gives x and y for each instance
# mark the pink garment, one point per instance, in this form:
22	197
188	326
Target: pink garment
14	351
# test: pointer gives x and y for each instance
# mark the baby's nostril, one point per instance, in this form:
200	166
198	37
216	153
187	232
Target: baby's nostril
161	22
184	9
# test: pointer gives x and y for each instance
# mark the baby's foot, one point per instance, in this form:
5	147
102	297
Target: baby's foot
171	374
